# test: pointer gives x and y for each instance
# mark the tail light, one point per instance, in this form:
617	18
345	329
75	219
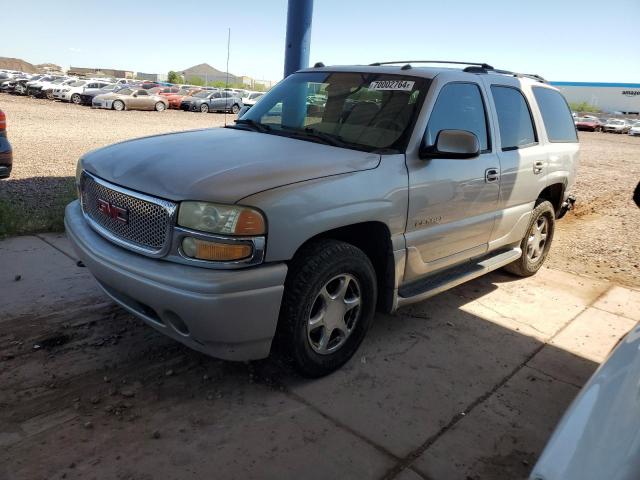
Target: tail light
3	121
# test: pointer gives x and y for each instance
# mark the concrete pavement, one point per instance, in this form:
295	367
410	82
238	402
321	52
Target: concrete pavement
466	385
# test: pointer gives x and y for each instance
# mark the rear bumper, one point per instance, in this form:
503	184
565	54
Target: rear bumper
225	314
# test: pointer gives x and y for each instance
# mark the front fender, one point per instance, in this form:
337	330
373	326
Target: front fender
297	212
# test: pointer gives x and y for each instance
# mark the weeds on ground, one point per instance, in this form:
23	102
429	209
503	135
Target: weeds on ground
46	214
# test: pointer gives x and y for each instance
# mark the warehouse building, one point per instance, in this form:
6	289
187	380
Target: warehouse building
608	97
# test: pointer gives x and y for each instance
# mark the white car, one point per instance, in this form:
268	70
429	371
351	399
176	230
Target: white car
48	89
72	92
615	125
635	129
251	98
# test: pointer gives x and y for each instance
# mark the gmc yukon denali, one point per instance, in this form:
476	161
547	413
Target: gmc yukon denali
294	225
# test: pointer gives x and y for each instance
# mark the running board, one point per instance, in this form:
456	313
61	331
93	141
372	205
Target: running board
438	283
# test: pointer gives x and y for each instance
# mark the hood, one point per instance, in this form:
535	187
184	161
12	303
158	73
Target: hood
219	165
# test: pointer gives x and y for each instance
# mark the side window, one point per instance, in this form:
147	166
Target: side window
514	118
142	92
556	115
216	95
459	106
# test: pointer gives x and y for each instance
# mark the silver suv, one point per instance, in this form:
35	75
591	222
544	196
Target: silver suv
291	227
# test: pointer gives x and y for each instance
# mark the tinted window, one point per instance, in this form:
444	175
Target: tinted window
514	118
142	92
459	107
556	115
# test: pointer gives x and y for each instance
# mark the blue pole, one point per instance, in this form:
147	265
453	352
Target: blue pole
296	53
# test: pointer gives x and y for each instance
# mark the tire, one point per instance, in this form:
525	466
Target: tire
75	98
344	273
160	107
235	108
118	105
204	108
543	221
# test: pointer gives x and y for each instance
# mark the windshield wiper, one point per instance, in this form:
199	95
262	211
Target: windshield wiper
317	135
257	126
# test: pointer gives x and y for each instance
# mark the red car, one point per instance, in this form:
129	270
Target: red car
589	124
176	98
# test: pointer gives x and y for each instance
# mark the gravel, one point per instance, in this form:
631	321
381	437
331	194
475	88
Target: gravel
599	239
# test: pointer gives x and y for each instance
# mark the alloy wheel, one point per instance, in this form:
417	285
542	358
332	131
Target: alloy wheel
537	239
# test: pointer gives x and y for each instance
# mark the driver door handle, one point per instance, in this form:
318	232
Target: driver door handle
537	167
491	175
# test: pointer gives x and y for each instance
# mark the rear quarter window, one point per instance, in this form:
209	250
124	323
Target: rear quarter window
556	115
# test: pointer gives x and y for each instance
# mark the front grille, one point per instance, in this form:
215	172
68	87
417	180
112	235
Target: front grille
148	220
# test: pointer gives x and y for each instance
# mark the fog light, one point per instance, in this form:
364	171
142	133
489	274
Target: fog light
214	251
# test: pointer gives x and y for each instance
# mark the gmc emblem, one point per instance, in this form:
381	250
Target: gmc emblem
113	211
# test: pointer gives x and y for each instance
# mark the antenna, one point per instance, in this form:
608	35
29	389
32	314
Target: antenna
226	83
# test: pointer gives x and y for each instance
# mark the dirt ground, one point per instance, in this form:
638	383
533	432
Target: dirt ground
600	239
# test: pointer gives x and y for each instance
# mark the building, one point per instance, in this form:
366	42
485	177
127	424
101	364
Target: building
99	72
147	76
608	97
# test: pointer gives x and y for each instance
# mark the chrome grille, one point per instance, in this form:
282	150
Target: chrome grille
149	219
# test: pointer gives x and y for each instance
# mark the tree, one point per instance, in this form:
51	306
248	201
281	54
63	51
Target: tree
583	107
174	77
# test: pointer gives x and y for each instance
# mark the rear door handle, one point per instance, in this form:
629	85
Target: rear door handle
491	175
537	167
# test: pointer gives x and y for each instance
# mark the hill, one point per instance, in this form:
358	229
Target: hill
17	64
208	73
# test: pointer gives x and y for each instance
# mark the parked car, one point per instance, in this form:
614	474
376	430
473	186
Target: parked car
301	227
130	99
251	99
615	125
57	86
635	129
589	124
86	97
72	92
37	88
176	99
6	154
207	101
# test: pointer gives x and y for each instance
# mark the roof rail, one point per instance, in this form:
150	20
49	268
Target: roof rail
475	69
409	62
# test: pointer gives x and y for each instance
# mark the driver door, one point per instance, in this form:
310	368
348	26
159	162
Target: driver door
452	202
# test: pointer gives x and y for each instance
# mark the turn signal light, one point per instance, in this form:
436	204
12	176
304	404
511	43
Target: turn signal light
214	251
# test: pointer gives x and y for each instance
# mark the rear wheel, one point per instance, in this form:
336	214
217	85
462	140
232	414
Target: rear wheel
118	105
75	98
328	304
536	243
204	108
160	107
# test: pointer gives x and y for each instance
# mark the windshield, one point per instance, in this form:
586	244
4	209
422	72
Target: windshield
616	122
202	94
77	84
365	111
125	91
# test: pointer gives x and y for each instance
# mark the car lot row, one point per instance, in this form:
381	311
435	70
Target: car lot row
125	94
591	123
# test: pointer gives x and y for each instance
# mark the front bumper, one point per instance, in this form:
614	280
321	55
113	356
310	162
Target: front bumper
6	157
226	314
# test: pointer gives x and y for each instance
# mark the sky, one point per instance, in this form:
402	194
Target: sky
562	40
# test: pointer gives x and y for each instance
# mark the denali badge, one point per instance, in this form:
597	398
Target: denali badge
110	210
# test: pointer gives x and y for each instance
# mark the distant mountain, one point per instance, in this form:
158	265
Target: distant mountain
17	64
208	73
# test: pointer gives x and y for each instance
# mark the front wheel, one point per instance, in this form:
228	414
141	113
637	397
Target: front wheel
118	105
160	107
75	98
536	243
204	108
328	304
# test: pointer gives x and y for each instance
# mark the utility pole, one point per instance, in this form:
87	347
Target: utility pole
296	53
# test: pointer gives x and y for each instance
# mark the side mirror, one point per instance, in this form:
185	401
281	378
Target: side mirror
243	110
135	95
452	144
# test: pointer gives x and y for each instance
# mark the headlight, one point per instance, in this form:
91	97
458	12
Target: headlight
221	219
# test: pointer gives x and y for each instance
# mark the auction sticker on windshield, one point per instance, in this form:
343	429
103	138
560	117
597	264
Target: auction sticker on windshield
403	85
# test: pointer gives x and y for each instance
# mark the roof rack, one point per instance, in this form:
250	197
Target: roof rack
476	69
409	62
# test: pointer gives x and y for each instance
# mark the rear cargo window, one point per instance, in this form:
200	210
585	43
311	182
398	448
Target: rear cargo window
556	115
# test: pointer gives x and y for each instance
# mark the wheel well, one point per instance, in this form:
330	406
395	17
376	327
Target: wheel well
554	194
374	239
